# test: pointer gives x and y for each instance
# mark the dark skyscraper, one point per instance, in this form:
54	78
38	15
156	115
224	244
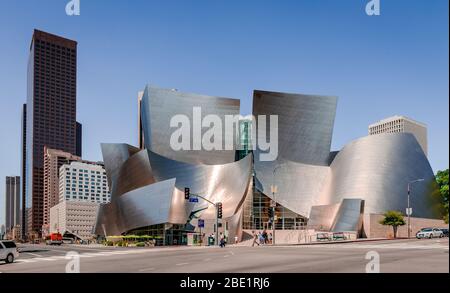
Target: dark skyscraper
24	172
12	205
79	150
51	114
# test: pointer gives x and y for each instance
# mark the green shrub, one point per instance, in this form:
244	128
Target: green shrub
140	244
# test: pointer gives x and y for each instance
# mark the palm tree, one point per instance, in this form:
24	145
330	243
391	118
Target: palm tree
394	219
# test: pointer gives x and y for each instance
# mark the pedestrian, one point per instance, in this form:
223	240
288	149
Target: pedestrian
260	238
222	240
236	239
270	238
255	239
264	235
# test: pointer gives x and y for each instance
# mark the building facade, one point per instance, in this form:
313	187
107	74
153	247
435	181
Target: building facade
12	203
308	185
82	181
83	187
53	160
402	124
23	170
50	115
74	218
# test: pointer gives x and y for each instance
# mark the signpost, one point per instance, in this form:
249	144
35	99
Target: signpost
193	198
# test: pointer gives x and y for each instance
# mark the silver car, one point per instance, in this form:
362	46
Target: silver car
430	233
8	251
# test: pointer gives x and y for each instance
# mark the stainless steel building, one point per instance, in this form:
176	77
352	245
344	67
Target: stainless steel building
313	184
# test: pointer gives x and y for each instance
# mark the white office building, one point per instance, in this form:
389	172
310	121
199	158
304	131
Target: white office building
398	124
74	218
82	181
83	186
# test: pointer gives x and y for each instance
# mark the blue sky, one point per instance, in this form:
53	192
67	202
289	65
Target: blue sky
396	63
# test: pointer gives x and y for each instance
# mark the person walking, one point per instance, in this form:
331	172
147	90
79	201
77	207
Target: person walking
270	238
255	239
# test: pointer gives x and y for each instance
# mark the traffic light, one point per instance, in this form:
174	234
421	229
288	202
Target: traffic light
270	213
187	193
219	210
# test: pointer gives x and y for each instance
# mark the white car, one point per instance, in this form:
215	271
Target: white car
429	233
8	251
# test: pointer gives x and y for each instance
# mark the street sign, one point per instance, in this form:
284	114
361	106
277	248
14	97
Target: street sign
409	211
201	223
193	199
273	204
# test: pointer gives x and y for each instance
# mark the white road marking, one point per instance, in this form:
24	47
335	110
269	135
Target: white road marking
182	264
34	254
147	270
24	261
45	259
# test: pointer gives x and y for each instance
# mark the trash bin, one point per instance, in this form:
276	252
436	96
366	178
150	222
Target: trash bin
211	241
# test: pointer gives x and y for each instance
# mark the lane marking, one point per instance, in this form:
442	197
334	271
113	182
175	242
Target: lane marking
182	264
45	259
147	270
34	254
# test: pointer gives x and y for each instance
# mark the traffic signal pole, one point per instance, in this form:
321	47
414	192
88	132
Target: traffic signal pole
187	195
217	224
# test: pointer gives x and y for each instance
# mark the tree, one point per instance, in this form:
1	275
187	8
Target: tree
394	219
442	181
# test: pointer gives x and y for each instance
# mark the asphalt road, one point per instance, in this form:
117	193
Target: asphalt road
399	256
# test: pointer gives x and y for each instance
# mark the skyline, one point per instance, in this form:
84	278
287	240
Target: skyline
410	62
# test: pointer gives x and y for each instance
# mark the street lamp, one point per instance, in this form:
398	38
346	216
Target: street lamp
409	210
274	205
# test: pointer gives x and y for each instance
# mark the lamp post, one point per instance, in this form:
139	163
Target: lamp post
274	191
409	211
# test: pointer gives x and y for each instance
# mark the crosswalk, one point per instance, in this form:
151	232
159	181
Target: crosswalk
400	246
81	255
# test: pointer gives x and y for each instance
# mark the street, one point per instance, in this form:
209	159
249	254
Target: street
397	256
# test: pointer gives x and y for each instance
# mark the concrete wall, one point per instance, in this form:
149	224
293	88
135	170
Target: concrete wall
373	229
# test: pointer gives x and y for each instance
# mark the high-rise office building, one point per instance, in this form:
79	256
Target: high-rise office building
12	206
83	181
51	114
399	124
83	186
24	173
79	147
53	160
140	131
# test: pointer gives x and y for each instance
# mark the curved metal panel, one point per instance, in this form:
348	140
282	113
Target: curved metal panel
226	183
154	204
114	156
299	185
377	169
349	216
136	172
305	124
158	108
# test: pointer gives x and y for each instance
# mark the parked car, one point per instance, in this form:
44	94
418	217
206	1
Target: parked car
8	251
445	231
429	233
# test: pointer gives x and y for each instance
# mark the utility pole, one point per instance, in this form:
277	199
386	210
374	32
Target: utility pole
409	209
274	205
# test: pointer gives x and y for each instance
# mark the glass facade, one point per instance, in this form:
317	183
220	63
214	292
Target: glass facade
165	234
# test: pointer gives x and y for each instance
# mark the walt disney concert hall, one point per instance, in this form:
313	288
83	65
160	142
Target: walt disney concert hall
315	187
